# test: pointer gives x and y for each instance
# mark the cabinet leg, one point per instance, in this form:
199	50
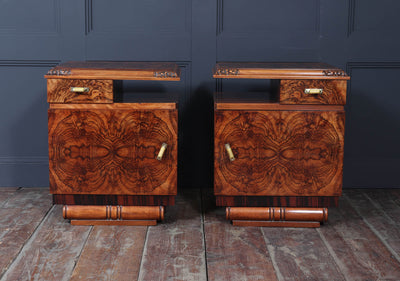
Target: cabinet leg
113	215
276	216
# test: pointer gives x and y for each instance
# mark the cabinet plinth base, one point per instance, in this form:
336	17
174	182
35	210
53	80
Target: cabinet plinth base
111	222
277	217
113	215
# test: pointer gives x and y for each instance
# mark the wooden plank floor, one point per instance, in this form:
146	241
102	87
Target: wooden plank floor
361	241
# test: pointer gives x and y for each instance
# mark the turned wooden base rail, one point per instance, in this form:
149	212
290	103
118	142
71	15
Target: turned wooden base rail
113	215
276	216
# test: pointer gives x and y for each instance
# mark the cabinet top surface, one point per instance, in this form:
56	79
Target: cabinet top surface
278	70
114	70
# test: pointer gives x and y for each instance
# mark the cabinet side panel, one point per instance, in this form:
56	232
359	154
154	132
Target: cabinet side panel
112	151
279	153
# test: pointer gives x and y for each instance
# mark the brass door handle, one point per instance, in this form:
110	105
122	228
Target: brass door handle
79	89
161	152
229	151
313	91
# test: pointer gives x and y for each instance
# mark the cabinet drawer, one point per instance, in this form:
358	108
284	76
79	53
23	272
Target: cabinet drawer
278	153
313	92
79	91
113	151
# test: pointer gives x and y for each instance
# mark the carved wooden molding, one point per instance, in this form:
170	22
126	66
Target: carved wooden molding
227	71
164	74
59	72
334	73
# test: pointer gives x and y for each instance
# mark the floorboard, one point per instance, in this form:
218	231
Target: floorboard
174	249
359	253
111	253
360	241
234	253
20	215
51	252
378	218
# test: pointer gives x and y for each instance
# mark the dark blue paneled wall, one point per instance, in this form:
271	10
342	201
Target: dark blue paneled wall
361	36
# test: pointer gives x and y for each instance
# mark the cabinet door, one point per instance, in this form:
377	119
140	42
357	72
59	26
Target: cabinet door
112	151
279	153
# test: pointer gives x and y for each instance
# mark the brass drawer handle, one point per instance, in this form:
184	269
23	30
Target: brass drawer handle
229	151
313	91
79	89
161	152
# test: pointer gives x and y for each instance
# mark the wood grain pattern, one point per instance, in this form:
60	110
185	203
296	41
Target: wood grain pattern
359	253
278	201
260	106
113	212
279	153
118	106
277	214
111	253
115	222
296	224
19	217
59	91
51	252
233	253
277	70
292	92
350	241
163	71
300	254
381	219
124	200
112	152
175	249
6	193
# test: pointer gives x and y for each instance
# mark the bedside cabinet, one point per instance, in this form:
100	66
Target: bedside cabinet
111	162
278	161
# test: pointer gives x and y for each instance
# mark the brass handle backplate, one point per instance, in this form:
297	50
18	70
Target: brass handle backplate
161	152
79	89
229	151
313	91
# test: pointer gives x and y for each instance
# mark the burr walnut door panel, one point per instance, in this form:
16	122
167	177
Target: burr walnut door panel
110	151
279	153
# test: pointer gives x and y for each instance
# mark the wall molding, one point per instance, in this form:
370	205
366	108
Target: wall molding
220	18
21	160
368	65
57	25
88	16
89	20
29	63
371	64
351	17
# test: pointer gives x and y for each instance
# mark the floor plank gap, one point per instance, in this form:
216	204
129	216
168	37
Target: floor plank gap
375	231
80	253
339	264
203	209
27	242
144	253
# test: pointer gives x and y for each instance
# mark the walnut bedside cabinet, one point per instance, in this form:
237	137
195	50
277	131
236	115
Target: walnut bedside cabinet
112	163
278	157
